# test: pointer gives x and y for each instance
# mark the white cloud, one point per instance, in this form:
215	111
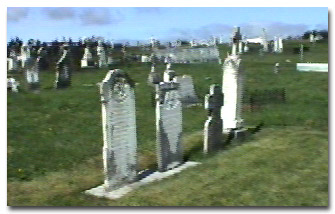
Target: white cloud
100	16
60	13
15	14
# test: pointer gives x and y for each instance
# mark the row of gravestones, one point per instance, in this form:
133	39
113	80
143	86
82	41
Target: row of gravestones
119	121
32	70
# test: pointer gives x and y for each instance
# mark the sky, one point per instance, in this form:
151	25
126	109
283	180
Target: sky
163	23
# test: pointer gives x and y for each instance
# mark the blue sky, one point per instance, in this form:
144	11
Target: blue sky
164	23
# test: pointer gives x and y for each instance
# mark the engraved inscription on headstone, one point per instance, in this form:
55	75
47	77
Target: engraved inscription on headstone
213	137
119	129
168	126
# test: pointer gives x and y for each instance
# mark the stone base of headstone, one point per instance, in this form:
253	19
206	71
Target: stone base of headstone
240	134
87	64
101	192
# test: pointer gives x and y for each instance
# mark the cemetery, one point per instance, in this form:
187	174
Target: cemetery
95	123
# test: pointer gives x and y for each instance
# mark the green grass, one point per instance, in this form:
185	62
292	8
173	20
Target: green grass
58	132
268	170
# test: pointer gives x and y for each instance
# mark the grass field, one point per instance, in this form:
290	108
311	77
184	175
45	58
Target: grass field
55	140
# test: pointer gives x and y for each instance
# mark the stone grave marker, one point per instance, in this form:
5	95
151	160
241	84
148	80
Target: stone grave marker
119	129
213	137
25	54
236	37
232	86
12	85
87	60
32	66
101	53
168	126
63	70
301	53
186	90
264	41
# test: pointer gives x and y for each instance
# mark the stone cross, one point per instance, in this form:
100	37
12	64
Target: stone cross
232	86
119	129
168	126
213	137
235	40
63	70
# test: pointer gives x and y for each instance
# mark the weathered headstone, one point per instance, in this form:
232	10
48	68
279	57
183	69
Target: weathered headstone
102	59
32	66
232	86
246	48
276	68
277	45
12	85
235	40
213	137
12	61
265	41
64	70
119	129
87	60
154	76
25	54
186	90
240	47
301	53
168	126
280	44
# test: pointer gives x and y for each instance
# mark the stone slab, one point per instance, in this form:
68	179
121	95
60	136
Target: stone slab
314	67
156	176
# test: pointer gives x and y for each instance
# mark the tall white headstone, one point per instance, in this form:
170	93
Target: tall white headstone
168	126
87	60
280	45
25	54
232	86
119	129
